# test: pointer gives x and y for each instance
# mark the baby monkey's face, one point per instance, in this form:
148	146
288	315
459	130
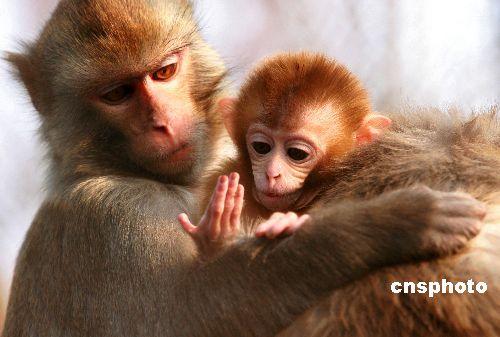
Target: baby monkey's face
281	161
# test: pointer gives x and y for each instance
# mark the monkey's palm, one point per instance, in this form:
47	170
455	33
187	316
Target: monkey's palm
220	222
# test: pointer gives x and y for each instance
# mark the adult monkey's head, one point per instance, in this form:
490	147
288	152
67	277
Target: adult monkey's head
124	86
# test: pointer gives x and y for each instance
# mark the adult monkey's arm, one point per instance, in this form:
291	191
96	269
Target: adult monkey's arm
108	251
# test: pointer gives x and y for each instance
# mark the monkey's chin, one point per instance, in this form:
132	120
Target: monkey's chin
277	203
177	166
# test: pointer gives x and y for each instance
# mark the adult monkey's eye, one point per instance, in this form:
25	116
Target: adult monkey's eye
165	73
118	95
261	147
297	154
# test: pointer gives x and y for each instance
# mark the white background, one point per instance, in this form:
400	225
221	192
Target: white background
430	52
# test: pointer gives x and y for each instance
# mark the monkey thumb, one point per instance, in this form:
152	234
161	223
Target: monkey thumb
186	223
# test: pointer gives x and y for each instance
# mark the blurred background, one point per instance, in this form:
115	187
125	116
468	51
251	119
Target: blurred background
428	52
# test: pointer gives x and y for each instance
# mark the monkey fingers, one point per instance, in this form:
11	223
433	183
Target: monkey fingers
464	227
297	224
458	204
210	217
281	225
458	214
278	227
229	203
262	228
215	210
186	224
238	206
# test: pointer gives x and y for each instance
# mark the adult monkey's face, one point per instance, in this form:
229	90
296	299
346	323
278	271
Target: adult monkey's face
138	85
156	114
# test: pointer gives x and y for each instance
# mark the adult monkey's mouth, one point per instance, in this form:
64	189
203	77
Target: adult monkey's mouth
181	152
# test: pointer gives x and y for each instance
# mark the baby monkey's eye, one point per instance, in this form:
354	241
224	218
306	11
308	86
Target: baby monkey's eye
261	147
297	154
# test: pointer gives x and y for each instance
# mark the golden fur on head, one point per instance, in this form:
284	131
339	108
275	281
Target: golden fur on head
283	89
288	91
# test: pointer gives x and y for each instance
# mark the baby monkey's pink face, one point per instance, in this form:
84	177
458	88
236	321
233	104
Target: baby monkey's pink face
281	161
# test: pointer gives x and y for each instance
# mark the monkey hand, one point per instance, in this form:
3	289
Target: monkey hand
441	222
281	224
220	222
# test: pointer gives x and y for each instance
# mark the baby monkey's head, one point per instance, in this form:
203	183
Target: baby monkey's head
295	114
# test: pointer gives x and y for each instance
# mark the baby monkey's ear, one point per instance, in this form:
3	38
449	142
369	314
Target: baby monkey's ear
371	128
227	109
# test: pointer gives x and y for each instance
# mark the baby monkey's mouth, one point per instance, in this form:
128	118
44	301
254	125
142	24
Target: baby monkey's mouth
275	201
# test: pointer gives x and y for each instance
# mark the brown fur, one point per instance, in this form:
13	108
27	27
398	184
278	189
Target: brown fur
449	152
105	255
284	88
282	91
94	43
444	150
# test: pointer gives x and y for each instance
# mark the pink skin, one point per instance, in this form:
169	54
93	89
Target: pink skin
280	224
221	221
156	114
275	174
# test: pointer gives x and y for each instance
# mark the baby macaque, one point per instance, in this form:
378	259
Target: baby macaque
295	117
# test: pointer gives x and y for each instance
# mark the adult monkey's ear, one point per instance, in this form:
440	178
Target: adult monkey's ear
227	108
371	128
24	69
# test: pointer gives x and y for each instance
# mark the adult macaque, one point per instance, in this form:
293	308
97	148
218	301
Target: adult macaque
125	91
